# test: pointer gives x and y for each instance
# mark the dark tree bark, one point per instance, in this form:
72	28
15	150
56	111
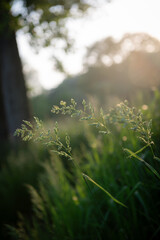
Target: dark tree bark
3	125
13	99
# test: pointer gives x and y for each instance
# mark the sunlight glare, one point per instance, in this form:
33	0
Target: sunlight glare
114	19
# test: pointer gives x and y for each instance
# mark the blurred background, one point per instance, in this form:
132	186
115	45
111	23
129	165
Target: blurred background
101	51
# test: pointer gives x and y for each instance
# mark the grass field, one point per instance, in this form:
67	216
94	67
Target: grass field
105	187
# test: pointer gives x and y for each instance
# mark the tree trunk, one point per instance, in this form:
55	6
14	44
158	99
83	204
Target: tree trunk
13	98
3	125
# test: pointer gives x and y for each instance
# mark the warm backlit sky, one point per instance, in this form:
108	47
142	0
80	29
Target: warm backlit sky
114	19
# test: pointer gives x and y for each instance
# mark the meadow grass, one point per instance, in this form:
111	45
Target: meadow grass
104	188
19	167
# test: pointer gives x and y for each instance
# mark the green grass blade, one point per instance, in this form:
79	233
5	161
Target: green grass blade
133	190
152	169
113	198
157	158
142	202
140	150
132	154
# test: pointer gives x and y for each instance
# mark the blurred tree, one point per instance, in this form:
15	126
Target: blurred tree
115	70
44	21
109	51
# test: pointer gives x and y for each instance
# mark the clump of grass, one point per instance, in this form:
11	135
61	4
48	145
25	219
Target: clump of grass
28	132
20	168
129	117
62	208
121	114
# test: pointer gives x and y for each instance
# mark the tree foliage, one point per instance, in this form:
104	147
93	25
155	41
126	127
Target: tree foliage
43	20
